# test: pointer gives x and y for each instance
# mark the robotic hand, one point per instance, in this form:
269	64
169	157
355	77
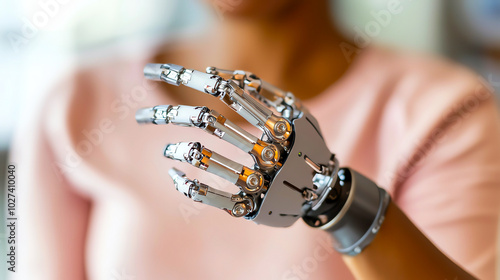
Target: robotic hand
295	175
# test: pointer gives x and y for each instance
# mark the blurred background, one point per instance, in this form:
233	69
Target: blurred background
41	40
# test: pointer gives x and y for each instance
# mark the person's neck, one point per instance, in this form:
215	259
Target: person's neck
297	51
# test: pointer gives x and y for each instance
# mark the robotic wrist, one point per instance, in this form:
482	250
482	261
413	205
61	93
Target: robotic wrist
352	213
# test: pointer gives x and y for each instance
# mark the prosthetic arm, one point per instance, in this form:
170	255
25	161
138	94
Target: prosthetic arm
295	175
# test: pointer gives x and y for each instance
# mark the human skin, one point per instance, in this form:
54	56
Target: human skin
401	251
286	42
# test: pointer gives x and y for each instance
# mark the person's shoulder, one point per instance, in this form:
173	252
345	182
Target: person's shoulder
430	74
427	87
425	101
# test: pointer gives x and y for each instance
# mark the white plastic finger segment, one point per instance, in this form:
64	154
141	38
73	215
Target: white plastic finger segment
200	81
176	75
248	180
185	152
236	205
185	115
145	115
265	155
197	155
165	114
156	115
200	192
181	183
153	71
201	117
169	73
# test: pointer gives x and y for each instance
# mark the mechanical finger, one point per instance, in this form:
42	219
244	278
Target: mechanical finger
266	155
283	101
236	205
276	127
250	181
